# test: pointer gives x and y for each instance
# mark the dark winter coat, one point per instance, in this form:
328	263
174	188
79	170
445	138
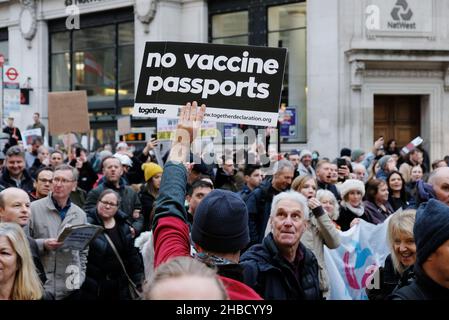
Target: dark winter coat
105	278
245	192
259	208
388	280
346	216
226	182
26	184
375	214
87	176
422	288
37	259
331	187
272	276
130	201
147	201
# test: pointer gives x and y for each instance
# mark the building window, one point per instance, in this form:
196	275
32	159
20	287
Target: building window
98	59
287	28
230	28
273	23
4	48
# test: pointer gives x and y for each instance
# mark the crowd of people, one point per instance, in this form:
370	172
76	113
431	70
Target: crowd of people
229	230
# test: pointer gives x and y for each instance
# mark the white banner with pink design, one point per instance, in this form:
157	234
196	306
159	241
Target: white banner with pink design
363	249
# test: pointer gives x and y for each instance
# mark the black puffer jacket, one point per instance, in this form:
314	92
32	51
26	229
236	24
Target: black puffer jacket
105	278
130	201
422	288
147	201
271	276
26	182
259	208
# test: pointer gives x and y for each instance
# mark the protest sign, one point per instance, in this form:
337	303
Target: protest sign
29	135
124	125
363	248
67	112
238	84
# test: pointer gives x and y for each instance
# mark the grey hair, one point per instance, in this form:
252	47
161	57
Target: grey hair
63	167
281	165
290	195
327	194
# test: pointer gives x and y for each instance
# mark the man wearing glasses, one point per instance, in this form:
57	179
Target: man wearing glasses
65	268
43	183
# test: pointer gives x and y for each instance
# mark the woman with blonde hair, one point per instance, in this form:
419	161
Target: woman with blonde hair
397	269
320	229
18	277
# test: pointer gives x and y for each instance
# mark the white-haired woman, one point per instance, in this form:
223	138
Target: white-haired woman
320	229
18	277
351	205
397	270
330	205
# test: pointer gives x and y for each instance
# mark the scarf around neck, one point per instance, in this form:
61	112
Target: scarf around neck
358	211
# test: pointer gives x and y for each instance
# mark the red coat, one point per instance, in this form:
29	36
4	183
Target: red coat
171	239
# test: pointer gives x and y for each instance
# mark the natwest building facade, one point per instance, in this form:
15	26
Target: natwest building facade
356	69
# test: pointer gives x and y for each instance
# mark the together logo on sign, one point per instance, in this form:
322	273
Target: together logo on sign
154	110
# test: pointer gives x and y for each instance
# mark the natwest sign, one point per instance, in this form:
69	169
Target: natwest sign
399	16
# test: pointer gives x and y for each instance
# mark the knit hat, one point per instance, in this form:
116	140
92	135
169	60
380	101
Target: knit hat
431	228
345	152
351	184
383	161
220	223
151	169
303	153
356	154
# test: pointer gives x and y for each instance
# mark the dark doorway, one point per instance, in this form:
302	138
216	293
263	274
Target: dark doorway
397	117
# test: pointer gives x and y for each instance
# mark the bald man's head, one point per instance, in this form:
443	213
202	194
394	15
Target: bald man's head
14	206
439	179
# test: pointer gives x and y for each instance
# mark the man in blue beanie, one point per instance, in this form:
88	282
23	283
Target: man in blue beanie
431	232
220	223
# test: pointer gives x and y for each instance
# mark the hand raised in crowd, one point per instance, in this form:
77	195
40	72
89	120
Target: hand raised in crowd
136	214
378	144
187	130
153	143
313	203
354	222
344	171
52	244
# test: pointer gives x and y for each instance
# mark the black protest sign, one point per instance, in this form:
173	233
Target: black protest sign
239	84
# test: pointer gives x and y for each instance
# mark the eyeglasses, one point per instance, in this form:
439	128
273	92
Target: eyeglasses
45	180
109	203
61	180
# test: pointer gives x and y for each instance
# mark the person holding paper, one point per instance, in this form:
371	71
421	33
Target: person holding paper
65	269
105	277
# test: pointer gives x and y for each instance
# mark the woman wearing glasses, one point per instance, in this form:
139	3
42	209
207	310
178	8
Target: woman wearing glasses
105	277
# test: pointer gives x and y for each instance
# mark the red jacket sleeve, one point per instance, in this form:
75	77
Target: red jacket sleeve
171	239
